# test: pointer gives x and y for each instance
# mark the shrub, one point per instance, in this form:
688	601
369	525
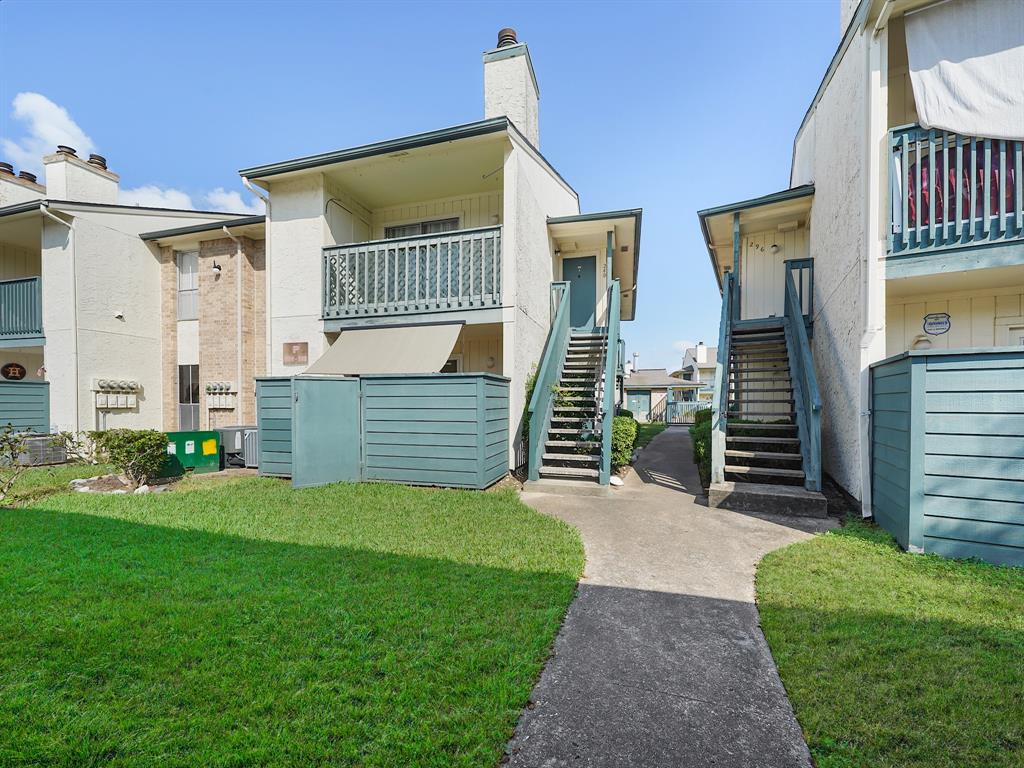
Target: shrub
702	416
531	383
12	447
137	453
701	434
623	440
625	412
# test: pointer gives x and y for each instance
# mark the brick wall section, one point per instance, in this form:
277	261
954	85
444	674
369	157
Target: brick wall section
168	321
218	330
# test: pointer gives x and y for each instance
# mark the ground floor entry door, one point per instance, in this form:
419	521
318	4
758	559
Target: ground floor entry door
639	402
325	431
581	273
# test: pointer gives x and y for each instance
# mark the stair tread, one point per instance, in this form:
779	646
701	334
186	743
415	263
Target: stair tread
767	440
565	431
583	458
570	471
758	425
767	389
773	455
743	470
572	443
747	400
776	414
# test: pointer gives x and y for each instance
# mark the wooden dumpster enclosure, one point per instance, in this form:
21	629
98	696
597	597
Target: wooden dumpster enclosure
25	405
446	429
947	452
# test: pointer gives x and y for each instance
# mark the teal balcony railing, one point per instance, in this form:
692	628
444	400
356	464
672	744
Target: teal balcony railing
21	309
429	273
949	190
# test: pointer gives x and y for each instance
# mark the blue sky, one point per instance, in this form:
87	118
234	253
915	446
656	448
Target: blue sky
671	107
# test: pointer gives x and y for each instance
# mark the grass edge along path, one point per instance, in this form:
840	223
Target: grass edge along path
892	659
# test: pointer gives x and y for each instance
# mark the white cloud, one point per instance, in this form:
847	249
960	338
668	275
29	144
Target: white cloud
152	196
46	125
221	199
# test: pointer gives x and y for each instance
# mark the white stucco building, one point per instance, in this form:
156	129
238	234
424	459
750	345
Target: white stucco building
901	227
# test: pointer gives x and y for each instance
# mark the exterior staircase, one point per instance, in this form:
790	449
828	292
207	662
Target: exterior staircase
764	465
762	440
572	449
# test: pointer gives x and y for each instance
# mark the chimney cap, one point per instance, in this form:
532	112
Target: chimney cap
7	168
27	176
98	160
64	149
507	37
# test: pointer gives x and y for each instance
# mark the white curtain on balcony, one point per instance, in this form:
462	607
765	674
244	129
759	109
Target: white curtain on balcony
409	349
967	66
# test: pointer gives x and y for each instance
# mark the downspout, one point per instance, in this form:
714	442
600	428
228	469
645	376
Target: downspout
266	275
74	306
238	321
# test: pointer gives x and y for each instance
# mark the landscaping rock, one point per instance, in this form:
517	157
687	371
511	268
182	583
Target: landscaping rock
142	489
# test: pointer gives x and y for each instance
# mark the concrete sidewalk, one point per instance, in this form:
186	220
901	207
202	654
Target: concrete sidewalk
661	660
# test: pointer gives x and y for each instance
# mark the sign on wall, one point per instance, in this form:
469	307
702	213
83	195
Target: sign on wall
937	323
13	371
296	353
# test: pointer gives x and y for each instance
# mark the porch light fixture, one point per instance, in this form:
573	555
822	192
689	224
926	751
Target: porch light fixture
775	248
216	267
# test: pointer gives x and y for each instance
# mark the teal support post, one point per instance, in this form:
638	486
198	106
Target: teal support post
608	401
736	247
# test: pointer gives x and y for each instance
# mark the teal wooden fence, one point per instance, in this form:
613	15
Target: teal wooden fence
274	422
25	405
21	309
430	273
549	370
446	429
435	429
949	190
948	452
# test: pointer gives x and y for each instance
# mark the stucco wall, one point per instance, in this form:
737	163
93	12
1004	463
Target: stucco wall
298	231
534	195
835	140
509	91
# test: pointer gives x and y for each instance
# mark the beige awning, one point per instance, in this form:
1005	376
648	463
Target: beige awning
407	349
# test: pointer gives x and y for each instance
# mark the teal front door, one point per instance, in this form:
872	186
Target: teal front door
639	402
581	272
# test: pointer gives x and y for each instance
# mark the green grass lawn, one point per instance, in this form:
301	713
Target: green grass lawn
36	482
242	623
647	432
893	659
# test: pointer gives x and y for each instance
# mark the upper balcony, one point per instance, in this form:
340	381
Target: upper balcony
21	312
951	191
443	272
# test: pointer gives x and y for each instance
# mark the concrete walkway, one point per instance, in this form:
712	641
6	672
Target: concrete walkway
661	660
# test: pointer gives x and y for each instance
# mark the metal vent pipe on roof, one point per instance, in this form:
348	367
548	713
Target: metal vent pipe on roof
98	160
64	149
27	176
7	168
507	37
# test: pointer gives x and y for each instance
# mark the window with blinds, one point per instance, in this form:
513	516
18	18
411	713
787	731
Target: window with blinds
421	228
188	285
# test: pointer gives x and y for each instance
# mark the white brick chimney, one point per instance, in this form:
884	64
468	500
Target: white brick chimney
702	352
68	177
510	85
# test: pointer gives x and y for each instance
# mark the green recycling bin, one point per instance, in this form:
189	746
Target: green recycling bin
197	451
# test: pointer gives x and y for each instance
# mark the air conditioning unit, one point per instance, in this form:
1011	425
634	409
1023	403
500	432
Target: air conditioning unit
251	450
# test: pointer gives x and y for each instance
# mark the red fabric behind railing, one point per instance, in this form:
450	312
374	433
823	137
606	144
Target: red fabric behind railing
947	191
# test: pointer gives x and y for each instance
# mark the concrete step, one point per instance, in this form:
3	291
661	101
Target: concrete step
768	499
569	472
568	486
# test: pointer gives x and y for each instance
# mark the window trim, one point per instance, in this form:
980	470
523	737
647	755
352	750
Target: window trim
389	229
189	295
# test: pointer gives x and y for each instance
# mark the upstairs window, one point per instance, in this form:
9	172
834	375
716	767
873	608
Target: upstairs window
421	228
188	285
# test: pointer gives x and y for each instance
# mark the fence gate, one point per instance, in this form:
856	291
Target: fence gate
682	412
325	431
